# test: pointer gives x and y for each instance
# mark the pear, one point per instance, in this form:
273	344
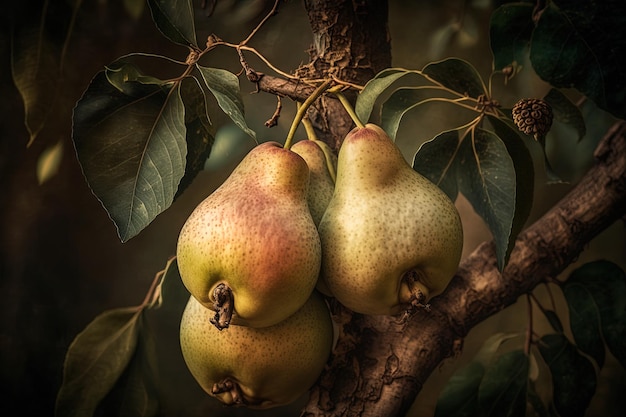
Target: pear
257	367
391	239
322	163
250	251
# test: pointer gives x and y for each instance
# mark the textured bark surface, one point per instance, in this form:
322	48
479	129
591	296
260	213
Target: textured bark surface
379	366
350	42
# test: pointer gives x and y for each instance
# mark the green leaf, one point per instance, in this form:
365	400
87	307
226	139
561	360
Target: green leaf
524	175
490	346
573	376
502	391
580	45
457	75
436	160
366	99
510	30
554	320
132	149
175	19
225	87
487	179
120	74
199	132
566	112
135	392
35	71
536	402
397	105
96	359
596	299
459	397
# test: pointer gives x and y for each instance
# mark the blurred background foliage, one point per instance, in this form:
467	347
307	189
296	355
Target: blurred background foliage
61	262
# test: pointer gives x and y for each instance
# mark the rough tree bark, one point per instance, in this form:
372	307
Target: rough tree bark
379	365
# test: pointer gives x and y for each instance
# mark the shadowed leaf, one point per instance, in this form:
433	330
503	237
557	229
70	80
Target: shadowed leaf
135	392
459	397
199	131
510	29
436	160
35	70
524	176
566	112
366	99
96	359
581	45
487	179
502	391
225	87
573	376
457	75
175	19
132	149
596	299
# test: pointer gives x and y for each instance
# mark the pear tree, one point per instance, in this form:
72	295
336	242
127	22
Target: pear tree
335	270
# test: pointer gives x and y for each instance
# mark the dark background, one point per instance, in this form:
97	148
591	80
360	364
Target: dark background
61	263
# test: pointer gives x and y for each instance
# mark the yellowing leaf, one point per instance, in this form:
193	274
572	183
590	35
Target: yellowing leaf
35	71
49	162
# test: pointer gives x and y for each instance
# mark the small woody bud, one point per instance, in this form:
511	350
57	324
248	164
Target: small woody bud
532	116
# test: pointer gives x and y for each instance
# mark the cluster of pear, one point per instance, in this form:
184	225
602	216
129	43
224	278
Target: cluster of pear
289	225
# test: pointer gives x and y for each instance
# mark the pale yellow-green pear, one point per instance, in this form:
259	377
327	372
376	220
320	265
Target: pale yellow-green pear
391	239
257	367
250	251
322	163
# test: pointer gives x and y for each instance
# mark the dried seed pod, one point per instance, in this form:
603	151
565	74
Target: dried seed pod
532	116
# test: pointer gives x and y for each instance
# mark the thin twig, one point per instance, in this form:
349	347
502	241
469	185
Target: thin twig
273	121
529	330
258	27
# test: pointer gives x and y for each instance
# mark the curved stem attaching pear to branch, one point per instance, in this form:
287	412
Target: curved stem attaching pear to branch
346	105
302	111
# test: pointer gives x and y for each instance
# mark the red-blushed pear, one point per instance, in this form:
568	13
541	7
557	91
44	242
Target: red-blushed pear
250	251
391	239
257	367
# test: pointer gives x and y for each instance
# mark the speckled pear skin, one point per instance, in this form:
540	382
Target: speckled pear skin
256	234
273	365
321	184
385	219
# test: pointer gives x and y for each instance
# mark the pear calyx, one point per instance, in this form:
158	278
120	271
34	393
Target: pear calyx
224	306
417	299
237	397
228	385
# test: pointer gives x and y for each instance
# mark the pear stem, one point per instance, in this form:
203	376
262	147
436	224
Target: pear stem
224	306
308	127
346	105
302	111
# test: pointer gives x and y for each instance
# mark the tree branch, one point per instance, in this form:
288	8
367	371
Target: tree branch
295	90
379	366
